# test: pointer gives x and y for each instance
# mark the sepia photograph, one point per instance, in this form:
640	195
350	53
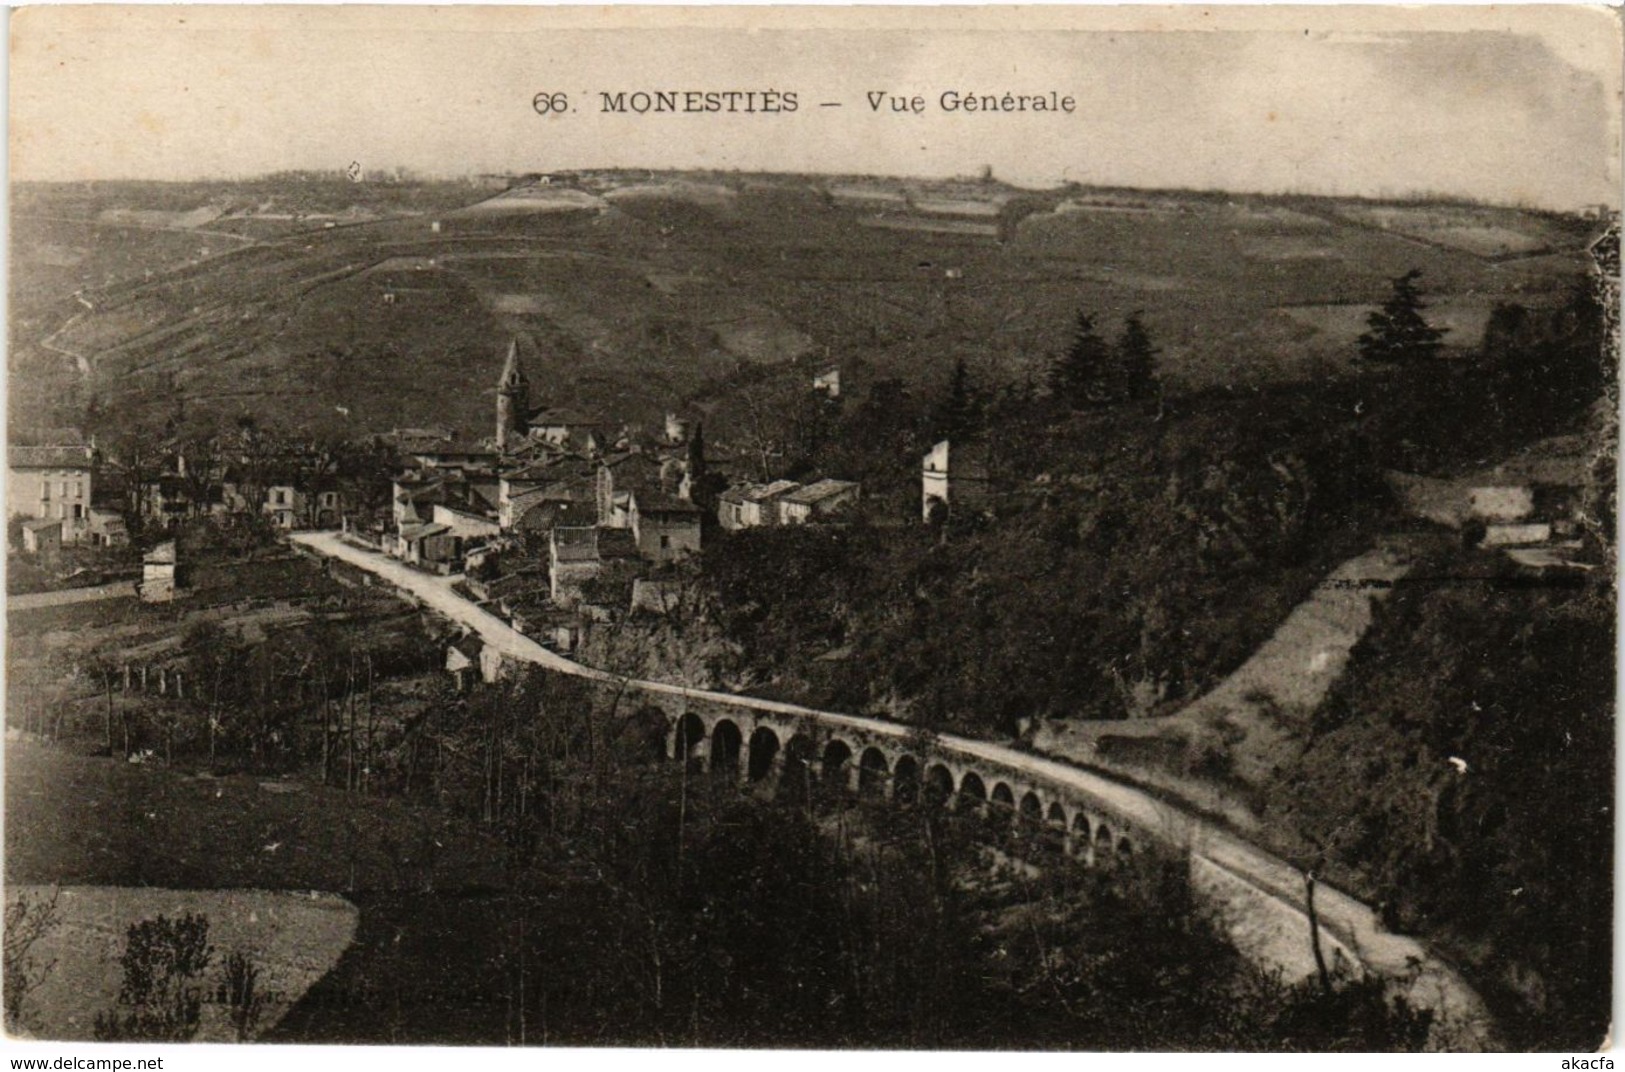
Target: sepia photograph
1026	528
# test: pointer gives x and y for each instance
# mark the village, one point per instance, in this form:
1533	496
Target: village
556	521
287	614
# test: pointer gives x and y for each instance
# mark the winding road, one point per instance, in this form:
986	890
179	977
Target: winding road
1260	895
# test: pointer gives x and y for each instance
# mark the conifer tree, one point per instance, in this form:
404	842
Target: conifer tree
1136	361
1398	332
960	414
1082	376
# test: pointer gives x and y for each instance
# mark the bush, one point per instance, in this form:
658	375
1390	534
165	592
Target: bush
160	999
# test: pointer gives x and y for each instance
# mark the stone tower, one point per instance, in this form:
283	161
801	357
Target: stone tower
513	399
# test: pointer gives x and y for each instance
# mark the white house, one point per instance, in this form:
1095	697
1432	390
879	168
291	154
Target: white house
748	506
953	478
52	481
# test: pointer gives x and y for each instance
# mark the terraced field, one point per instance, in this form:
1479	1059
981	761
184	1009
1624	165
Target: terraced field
636	295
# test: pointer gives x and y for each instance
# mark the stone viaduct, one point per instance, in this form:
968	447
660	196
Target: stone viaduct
1094	819
763	742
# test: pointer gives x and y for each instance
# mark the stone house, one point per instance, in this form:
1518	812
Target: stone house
158	573
574	431
463	660
285	505
466	525
748	506
107	528
42	536
580	554
819	499
665	528
619	475
429	545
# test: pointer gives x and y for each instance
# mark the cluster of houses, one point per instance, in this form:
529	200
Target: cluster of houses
783	502
558	518
67	493
561	517
550	484
1528	508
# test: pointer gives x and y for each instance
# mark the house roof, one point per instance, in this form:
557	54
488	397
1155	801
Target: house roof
547	513
422	532
561	417
620	457
514	583
540	611
442	434
55	457
657	502
763	492
47	437
468	511
430	495
40	524
454	449
818	491
535	472
469	646
553	467
486	492
616	543
163	554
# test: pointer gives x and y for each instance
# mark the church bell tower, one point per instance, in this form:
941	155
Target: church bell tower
513	399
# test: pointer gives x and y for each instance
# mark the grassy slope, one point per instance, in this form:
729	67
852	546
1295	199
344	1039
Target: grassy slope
422	880
85	820
659	302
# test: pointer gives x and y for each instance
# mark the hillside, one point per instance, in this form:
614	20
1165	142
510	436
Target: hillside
366	306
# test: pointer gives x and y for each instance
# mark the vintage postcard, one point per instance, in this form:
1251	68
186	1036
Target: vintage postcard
1024	528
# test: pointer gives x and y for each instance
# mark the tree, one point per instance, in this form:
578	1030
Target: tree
960	413
239	981
364	469
204	464
1542	367
258	451
1136	361
703	485
1398	333
1081	377
215	662
29	920
139	454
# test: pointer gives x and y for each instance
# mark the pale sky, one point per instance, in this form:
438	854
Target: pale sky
1507	104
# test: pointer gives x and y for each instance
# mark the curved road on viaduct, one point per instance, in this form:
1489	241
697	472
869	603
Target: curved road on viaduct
1260	896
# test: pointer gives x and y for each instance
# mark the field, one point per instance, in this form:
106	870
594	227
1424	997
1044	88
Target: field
293	940
125	842
358	307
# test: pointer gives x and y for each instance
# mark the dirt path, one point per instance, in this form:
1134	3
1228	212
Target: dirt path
1252	718
36	600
